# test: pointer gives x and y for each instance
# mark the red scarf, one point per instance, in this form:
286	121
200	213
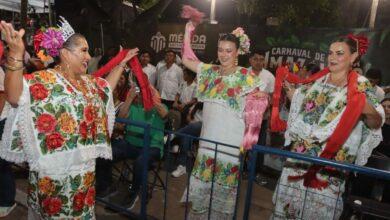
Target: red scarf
355	104
136	68
1	49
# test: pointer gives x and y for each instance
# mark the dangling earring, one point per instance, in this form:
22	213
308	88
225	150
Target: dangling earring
67	67
236	61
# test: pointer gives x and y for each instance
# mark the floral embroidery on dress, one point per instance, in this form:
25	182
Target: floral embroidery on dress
61	123
226	174
343	156
73	196
311	122
314	105
17	141
229	89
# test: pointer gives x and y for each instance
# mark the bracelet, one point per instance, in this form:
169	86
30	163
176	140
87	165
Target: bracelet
123	65
15	60
13	68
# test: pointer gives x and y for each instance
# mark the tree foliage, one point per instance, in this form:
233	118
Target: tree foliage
298	13
146	4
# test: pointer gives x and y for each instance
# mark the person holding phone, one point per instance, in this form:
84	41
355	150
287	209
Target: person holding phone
131	146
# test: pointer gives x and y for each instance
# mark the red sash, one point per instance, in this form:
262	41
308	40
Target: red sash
136	68
355	104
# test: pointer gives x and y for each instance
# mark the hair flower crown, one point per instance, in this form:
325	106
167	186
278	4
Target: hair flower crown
48	41
245	42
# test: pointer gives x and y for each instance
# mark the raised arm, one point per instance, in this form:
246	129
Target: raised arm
13	82
189	58
116	73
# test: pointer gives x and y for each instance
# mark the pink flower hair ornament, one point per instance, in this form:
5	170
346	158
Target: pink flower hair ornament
245	42
50	40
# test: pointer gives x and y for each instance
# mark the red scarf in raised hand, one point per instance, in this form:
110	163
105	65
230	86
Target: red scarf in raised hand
136	68
355	104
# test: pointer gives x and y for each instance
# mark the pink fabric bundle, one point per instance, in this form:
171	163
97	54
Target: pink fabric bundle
191	13
253	116
195	17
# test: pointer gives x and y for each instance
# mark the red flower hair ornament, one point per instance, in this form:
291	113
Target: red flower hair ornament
361	43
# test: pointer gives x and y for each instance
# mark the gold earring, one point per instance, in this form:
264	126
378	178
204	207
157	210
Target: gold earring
67	67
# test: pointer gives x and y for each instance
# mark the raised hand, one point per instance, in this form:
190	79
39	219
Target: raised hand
132	52
13	38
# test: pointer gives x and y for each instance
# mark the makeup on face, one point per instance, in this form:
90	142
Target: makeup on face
227	53
339	57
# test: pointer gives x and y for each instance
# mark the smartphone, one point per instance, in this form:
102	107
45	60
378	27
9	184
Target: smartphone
137	89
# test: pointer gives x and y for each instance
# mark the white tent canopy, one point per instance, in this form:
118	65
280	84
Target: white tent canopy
14	5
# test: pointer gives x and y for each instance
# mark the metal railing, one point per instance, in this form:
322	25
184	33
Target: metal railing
302	157
252	164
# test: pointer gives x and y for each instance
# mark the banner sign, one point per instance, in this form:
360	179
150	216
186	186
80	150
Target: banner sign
307	46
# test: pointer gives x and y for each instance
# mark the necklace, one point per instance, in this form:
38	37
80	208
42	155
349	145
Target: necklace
79	84
337	82
227	71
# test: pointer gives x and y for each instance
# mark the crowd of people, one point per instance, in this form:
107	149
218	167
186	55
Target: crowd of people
59	118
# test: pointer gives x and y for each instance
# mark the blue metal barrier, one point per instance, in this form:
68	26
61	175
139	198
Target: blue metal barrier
316	160
252	165
143	211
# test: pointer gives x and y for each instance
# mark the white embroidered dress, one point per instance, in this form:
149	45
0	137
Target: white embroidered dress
60	132
314	114
224	101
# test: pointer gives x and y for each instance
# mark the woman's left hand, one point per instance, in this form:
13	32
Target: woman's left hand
132	52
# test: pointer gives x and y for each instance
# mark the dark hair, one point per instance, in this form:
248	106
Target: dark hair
352	44
374	74
259	52
170	51
312	68
189	73
142	52
230	37
73	41
122	92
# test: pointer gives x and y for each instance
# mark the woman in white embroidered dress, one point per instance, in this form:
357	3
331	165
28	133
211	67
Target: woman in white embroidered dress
316	110
60	123
222	88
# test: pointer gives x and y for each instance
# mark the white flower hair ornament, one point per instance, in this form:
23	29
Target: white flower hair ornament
245	42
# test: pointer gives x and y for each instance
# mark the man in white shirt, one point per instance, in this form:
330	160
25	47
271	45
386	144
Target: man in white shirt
187	91
169	79
148	68
375	78
257	61
184	99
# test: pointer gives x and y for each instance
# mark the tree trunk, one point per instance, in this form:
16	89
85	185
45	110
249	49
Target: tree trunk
23	13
